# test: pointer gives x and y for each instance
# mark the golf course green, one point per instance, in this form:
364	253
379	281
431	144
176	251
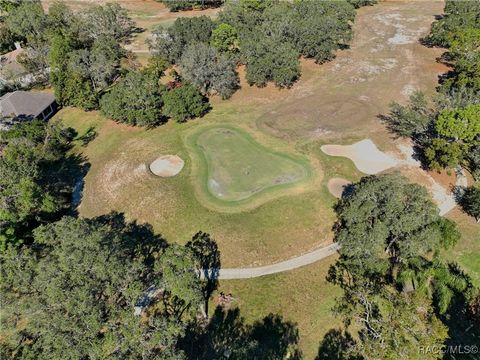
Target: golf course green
234	171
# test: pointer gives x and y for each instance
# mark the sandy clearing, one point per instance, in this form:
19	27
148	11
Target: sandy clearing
364	154
167	165
337	186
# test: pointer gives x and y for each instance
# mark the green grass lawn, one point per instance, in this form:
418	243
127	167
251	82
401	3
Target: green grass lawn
118	180
234	170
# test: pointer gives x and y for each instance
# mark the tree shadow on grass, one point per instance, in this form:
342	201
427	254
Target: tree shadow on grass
227	336
139	240
337	345
206	251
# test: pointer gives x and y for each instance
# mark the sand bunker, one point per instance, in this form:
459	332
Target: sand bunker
364	154
167	165
337	186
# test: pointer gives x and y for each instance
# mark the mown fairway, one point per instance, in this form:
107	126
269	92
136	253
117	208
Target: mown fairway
234	170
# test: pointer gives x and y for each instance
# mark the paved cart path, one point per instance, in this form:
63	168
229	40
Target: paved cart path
296	262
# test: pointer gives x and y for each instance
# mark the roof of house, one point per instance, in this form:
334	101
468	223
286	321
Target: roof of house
26	103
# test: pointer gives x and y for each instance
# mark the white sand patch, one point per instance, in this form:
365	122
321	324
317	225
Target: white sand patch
337	186
364	154
408	90
401	39
167	165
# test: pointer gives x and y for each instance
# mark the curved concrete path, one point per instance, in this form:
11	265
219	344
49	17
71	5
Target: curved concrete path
296	262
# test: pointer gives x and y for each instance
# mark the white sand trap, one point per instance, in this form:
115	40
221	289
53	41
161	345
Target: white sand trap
167	165
364	154
337	186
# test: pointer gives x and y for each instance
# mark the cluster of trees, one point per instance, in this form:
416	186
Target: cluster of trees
83	52
140	99
267	36
187	43
447	132
81	49
397	291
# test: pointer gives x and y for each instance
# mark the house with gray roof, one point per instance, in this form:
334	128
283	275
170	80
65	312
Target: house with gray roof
26	105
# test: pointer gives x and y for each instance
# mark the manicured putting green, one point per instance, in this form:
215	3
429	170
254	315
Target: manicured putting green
234	168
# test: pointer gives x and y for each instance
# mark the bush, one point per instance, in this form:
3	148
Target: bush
184	102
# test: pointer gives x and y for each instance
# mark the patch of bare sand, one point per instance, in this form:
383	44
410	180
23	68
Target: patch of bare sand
337	186
167	166
364	154
368	159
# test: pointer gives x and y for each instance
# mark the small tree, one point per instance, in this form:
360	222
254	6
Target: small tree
471	202
442	153
412	120
224	38
207	257
460	124
184	102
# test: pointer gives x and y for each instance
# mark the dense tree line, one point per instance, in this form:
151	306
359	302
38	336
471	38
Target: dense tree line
267	36
446	131
179	5
82	49
397	292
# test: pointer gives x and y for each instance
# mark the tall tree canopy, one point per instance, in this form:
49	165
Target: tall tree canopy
388	221
184	102
171	42
136	100
37	177
390	270
211	72
72	300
